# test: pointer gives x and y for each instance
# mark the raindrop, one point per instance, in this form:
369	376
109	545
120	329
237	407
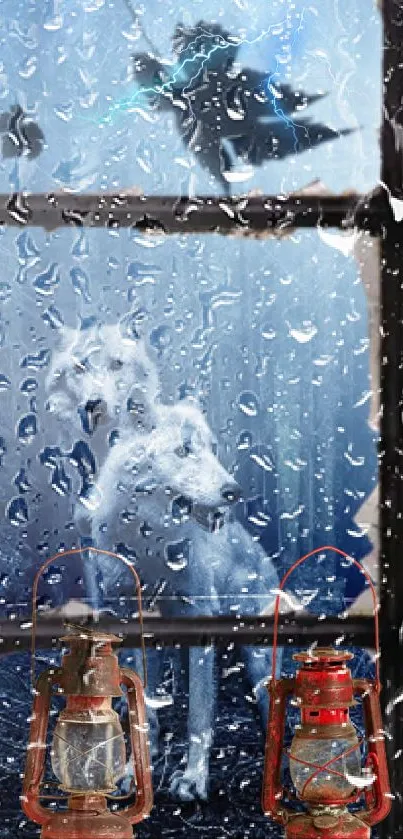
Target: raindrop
21	481
46	282
130	325
145	530
181	509
36	361
262	458
161	338
27	428
49	456
53	318
81	283
244	441
177	555
5	292
305	334
82	457
28	386
17	511
143	273
248	403
26	249
4	383
268	332
80	247
64	111
60	482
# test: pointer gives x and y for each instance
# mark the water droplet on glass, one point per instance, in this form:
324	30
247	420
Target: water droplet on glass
27	428
28	386
262	458
304	334
26	249
143	273
21	481
145	530
60	482
80	247
161	338
248	403
181	509
36	361
4	383
81	283
17	511
46	282
5	292
177	555
53	318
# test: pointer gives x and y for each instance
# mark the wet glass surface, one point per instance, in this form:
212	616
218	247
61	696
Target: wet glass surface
203	405
171	98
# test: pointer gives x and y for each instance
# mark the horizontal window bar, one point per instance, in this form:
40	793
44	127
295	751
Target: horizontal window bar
293	630
247	215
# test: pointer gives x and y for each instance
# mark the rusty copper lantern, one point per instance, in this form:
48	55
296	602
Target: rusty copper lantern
325	757
88	753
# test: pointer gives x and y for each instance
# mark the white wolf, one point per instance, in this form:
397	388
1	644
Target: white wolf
136	508
162	467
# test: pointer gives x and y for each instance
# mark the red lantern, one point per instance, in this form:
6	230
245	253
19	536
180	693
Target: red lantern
325	757
88	753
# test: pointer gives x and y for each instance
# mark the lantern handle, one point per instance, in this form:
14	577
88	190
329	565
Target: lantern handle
377	682
72	552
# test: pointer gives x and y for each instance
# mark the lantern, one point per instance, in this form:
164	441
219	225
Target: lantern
88	752
325	756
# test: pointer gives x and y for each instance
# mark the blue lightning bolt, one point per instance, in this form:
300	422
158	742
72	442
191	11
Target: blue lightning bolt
270	87
127	103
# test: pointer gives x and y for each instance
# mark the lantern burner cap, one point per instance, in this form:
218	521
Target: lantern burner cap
323	655
90	633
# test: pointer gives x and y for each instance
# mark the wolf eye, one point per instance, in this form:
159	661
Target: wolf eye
183	451
116	364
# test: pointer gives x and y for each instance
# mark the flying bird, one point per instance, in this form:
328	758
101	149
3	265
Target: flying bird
20	134
224	112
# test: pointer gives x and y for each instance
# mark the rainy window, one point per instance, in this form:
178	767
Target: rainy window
200	98
206	406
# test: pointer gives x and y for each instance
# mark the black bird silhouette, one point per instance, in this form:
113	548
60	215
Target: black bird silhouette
20	134
222	112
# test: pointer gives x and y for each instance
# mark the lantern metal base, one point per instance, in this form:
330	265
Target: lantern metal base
87	818
343	825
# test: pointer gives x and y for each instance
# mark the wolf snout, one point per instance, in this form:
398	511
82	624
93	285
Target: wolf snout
231	493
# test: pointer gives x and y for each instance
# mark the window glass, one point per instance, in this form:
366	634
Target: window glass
172	97
203	405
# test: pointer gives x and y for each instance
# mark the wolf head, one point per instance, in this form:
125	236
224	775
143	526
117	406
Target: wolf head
176	458
97	373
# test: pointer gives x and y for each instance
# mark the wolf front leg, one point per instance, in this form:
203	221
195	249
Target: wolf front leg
258	670
192	782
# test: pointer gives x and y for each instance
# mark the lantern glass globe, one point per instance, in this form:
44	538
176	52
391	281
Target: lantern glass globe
88	750
325	785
